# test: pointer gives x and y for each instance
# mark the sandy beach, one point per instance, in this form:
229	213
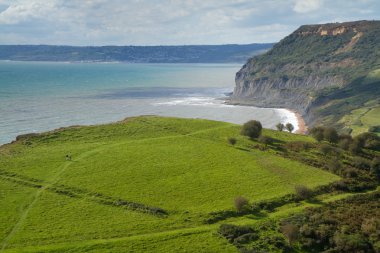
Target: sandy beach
302	127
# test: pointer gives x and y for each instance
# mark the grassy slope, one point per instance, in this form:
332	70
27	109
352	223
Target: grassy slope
184	166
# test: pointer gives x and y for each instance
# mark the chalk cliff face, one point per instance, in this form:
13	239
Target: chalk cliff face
308	65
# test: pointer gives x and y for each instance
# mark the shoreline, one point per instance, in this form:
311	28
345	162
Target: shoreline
302	127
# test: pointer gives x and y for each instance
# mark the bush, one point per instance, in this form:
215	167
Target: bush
297	146
232	141
334	165
241	204
265	140
291	232
280	127
303	192
325	149
375	167
289	127
369	140
361	163
344	144
252	129
232	232
317	133
355	147
330	135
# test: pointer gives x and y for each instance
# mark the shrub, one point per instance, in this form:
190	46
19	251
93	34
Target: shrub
361	163
330	135
369	140
297	146
289	127
252	129
351	243
231	232
265	140
303	192
280	127
355	147
334	165
232	141
375	167
325	149
344	144
241	204
291	232
317	133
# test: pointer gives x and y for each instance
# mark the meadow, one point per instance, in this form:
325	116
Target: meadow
145	184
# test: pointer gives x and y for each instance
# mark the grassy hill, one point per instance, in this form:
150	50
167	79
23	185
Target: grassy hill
145	184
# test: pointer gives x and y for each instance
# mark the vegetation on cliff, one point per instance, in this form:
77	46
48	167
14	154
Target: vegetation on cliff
326	72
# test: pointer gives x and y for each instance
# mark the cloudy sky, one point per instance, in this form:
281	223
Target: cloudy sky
168	22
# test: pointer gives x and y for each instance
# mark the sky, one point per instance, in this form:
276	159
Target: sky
169	22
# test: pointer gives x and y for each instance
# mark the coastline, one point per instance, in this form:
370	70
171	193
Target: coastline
298	121
302	127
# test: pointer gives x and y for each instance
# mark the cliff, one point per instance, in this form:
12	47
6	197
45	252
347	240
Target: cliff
313	66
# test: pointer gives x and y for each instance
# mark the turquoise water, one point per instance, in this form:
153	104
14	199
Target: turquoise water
37	97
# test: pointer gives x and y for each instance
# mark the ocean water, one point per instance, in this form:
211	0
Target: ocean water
36	97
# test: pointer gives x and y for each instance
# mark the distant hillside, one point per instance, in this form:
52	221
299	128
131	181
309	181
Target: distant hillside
326	72
138	54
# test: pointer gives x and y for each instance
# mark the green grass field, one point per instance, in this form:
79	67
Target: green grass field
145	184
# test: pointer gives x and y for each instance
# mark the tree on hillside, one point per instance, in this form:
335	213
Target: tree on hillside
317	133
291	232
280	127
289	127
252	129
330	135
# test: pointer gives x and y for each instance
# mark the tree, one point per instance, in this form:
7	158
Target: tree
280	127
289	127
252	129
317	133
330	135
241	204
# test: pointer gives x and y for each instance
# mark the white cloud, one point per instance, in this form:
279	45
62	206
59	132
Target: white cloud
167	22
304	6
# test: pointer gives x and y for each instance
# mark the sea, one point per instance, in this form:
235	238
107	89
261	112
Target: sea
42	96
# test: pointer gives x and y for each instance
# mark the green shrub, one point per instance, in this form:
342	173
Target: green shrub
317	133
303	192
232	141
252	129
325	149
361	163
330	135
265	140
241	204
375	167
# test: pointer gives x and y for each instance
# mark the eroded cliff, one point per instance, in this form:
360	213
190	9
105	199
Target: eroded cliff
310	65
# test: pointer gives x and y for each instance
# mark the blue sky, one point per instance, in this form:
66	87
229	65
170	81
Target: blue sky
169	22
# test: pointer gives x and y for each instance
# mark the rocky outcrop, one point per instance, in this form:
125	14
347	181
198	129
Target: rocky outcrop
310	63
